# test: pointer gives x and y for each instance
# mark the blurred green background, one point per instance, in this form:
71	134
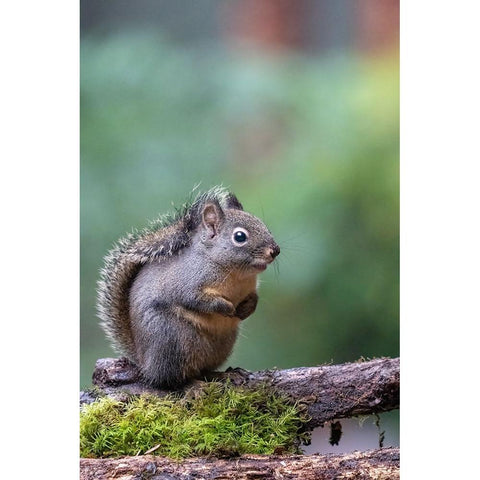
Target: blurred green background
304	128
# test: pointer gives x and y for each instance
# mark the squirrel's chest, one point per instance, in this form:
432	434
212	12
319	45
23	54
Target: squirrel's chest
233	287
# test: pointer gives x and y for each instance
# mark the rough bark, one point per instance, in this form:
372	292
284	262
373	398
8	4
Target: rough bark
374	464
329	392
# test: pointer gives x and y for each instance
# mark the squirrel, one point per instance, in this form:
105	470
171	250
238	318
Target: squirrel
171	296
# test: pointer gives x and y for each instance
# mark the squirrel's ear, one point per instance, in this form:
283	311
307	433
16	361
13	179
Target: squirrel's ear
232	202
212	218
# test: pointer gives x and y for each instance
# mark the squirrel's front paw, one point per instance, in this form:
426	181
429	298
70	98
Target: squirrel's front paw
224	307
247	306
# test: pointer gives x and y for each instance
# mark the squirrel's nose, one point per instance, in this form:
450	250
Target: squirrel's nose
274	250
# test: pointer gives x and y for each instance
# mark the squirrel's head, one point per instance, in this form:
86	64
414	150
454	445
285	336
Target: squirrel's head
232	237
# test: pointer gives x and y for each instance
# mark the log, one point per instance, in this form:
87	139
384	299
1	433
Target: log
328	392
375	464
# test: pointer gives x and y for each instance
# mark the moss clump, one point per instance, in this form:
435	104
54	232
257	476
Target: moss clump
221	421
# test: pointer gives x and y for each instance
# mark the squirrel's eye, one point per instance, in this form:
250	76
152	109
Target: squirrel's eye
239	236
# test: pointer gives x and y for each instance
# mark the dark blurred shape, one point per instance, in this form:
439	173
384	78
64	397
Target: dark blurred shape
182	20
335	433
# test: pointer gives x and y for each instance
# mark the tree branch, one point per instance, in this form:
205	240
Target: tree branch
374	464
329	392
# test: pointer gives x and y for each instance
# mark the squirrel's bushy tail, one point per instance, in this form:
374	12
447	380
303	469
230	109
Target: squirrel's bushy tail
163	238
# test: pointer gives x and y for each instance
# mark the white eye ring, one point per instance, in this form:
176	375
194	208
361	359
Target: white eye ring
239	237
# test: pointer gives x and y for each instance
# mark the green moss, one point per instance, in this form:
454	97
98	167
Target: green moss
221	420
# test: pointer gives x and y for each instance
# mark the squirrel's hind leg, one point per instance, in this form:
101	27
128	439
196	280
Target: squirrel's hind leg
160	343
